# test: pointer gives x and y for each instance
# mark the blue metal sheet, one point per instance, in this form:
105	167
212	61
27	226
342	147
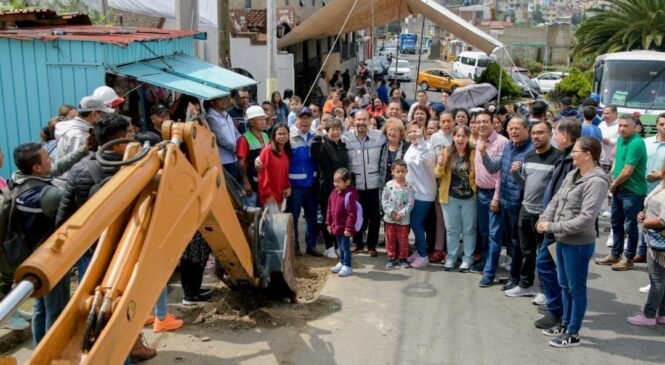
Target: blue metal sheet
195	69
152	75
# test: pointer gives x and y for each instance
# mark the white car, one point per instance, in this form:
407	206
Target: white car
377	65
399	70
548	80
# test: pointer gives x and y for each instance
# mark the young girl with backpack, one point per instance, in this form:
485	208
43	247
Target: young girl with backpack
344	218
397	202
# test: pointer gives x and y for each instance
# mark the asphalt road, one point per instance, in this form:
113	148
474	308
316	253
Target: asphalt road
408	316
425	64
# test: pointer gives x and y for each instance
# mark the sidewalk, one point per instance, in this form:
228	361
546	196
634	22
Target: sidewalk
9	339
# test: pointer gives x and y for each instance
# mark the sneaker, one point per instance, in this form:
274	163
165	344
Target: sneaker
509	285
645	289
660	320
486	282
141	351
436	256
464	267
542	309
420	262
448	266
607	214
477	268
549	320
335	269
205	292
607	260
313	253
372	252
639	259
641	320
391	263
404	264
413	257
506	263
540	299
16	323
565	340
555	331
150	320
623	265
330	253
518	291
169	323
24	314
196	299
610	240
345	271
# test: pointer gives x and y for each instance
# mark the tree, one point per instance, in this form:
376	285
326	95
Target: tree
537	15
491	75
623	25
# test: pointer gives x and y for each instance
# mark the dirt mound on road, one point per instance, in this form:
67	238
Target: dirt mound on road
247	308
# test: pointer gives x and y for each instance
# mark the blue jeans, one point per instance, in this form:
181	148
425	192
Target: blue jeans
418	214
45	311
161	310
642	248
460	216
625	206
548	276
510	222
490	230
573	263
82	264
304	198
344	244
231	168
251	200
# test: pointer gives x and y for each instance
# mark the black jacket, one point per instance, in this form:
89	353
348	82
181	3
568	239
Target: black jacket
329	156
77	188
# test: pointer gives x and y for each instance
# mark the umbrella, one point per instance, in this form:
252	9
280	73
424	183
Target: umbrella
471	96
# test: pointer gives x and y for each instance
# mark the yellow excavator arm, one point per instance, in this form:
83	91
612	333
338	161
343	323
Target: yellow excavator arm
142	220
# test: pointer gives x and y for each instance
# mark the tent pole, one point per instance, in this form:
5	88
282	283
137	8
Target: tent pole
397	49
373	48
498	97
420	55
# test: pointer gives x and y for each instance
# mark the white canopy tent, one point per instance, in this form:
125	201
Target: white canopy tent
328	20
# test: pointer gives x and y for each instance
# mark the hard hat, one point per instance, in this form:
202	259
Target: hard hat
108	96
255	111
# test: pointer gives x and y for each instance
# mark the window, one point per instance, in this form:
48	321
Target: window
313	2
248	4
302	2
483	62
468	61
286	2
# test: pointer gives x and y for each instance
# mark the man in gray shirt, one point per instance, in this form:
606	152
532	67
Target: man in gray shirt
533	176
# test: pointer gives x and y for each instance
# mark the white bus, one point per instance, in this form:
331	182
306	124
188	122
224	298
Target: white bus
633	81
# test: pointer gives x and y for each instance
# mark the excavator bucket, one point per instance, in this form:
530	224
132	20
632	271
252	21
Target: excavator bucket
275	255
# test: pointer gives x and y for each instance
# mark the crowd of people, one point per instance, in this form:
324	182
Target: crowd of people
466	183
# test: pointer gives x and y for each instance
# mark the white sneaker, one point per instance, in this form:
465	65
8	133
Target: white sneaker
337	268
645	289
346	271
607	214
330	253
540	299
420	262
464	267
610	240
518	291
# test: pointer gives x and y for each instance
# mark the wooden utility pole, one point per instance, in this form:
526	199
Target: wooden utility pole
224	33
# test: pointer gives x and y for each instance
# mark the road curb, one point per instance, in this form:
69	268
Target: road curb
9	339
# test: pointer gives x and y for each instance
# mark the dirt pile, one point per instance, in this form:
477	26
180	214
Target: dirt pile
247	308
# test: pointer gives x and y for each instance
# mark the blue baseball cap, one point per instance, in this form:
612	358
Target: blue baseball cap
304	110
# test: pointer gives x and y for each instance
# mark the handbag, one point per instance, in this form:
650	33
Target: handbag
656	239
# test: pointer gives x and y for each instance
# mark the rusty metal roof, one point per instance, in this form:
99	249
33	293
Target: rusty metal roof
32	17
120	36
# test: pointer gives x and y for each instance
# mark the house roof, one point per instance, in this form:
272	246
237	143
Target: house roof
120	36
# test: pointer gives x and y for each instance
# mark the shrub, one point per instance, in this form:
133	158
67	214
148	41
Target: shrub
576	85
491	75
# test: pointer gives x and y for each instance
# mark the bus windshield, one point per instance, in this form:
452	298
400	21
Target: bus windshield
634	84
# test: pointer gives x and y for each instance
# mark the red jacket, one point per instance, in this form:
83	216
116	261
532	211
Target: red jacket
340	217
274	178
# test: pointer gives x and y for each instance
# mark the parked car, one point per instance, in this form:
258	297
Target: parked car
471	64
441	79
379	67
548	80
521	70
399	70
529	87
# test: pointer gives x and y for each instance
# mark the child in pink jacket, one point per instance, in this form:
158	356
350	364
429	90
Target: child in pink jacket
342	218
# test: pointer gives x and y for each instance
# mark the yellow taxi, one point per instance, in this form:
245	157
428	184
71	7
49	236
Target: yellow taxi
442	79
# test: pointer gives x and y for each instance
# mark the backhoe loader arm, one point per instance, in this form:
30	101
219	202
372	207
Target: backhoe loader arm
144	217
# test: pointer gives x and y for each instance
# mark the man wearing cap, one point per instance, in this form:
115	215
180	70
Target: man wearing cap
71	134
159	113
249	147
237	110
226	134
108	96
302	174
364	145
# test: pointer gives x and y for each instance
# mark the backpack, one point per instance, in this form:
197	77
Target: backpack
13	246
359	210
